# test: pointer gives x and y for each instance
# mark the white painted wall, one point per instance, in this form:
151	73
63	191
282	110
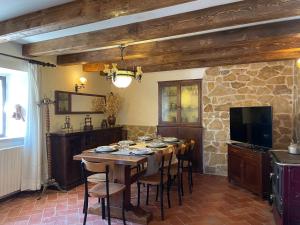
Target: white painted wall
63	78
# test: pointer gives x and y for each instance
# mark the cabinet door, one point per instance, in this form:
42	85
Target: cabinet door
73	169
168	131
190	105
168	102
235	167
252	174
194	133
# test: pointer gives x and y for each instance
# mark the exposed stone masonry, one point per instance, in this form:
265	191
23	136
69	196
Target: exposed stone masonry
257	84
135	131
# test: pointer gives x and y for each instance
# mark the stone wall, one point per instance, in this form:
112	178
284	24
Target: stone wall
135	131
257	84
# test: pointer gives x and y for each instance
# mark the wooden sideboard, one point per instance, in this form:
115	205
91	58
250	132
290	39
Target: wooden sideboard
249	169
64	146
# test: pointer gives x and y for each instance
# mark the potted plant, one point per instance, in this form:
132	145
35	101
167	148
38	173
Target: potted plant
112	108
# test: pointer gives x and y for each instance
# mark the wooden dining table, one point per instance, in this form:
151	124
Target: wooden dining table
122	174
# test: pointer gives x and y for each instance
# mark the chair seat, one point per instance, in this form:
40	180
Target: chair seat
99	190
96	178
153	179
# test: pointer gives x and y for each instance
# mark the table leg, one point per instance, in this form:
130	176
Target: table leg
122	175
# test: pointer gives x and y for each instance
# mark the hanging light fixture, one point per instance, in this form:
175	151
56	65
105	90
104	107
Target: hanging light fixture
120	75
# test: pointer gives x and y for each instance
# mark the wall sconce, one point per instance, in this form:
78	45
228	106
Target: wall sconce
298	63
82	84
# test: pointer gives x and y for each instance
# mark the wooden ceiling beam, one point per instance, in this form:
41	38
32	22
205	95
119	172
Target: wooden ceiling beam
282	35
246	59
75	13
217	57
244	12
263	57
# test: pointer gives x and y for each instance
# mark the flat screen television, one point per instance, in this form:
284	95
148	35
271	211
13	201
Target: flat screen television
252	125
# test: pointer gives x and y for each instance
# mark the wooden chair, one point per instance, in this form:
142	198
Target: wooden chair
159	180
176	169
186	161
102	190
101	177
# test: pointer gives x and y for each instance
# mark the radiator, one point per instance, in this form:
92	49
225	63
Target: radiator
10	171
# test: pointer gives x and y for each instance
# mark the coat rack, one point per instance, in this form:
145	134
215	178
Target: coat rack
51	182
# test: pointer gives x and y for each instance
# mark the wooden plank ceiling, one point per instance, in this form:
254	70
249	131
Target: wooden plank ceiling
155	44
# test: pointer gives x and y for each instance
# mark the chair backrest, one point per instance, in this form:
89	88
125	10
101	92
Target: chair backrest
95	167
192	144
190	147
182	149
166	160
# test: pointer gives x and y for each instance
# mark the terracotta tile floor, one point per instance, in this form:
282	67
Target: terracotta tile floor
213	202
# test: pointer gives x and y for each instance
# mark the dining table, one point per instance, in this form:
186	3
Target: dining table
124	161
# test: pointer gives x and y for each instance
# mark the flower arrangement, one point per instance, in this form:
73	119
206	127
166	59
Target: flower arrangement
98	104
112	104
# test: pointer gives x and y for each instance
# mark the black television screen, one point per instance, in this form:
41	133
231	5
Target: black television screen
252	125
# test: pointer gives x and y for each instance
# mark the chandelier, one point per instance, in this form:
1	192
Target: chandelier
120	75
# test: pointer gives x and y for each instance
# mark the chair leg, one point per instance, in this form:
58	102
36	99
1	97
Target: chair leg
181	178
147	199
108	211
190	177
139	193
157	189
123	209
192	174
168	191
85	206
162	202
84	202
179	188
103	208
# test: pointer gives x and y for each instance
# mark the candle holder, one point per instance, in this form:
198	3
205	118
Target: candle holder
88	123
67	125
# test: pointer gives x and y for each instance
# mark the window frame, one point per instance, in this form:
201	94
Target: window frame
3	82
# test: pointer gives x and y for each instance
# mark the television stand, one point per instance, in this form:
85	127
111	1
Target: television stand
250	146
249	168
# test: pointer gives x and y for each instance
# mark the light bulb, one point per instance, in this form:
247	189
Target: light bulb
122	81
83	80
298	63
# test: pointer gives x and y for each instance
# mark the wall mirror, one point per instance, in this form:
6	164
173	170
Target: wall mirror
78	103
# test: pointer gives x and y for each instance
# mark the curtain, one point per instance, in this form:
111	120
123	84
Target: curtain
34	161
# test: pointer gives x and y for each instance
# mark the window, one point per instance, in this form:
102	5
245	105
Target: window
2	103
13	103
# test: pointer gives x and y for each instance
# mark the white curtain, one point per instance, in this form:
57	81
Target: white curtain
33	155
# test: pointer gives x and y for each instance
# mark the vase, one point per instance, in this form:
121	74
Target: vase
111	120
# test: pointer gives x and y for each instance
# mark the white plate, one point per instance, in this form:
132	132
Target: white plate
170	139
156	145
105	149
145	138
142	151
126	142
